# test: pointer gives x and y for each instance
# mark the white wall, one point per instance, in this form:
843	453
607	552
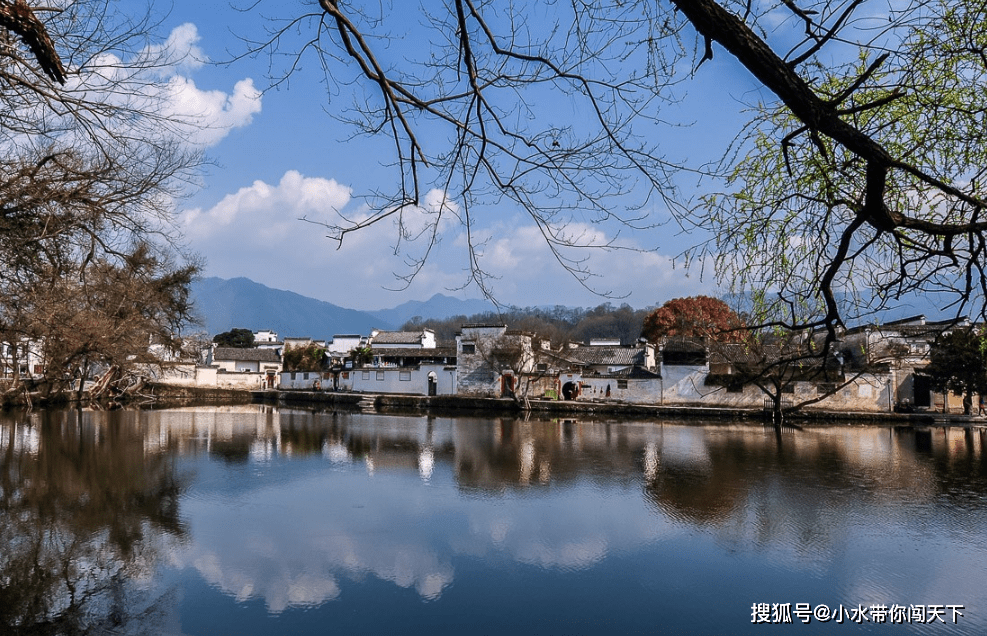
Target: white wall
248	381
686	385
305	380
389	379
636	391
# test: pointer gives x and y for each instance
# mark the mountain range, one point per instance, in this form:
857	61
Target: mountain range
224	304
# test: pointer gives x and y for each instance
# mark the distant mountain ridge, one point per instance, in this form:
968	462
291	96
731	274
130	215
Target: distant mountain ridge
438	306
223	304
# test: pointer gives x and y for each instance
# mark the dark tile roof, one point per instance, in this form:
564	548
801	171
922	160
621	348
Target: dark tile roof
397	337
608	354
415	352
246	355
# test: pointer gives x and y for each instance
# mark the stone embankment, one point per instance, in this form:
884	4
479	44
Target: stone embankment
459	405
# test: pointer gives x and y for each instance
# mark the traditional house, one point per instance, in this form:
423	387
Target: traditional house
403	362
490	360
901	348
264	363
424	378
25	357
342	344
608	371
423	339
748	375
267	339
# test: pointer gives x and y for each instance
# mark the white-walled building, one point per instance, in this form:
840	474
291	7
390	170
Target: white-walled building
490	358
424	339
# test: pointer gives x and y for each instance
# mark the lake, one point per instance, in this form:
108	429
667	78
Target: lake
254	519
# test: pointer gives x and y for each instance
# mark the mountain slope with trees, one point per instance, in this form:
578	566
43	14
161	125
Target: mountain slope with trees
224	304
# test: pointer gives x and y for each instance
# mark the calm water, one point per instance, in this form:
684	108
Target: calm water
254	520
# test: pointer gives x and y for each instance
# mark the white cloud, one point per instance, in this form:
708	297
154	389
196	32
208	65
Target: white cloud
257	232
158	81
261	214
180	53
525	268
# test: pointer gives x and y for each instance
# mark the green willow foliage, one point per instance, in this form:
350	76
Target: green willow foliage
792	195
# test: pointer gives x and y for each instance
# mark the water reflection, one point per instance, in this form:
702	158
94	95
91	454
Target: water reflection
110	517
84	514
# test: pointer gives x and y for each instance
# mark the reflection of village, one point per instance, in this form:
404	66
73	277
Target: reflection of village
114	486
872	369
497	453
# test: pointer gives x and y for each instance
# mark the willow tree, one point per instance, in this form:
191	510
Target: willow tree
92	159
856	181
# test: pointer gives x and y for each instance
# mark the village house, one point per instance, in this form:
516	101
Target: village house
490	360
607	370
902	348
342	344
731	375
873	368
256	367
267	339
403	362
26	359
422	339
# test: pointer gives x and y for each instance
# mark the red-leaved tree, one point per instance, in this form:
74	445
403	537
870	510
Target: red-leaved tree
696	317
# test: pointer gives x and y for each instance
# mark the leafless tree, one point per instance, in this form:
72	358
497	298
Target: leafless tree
123	316
860	169
92	161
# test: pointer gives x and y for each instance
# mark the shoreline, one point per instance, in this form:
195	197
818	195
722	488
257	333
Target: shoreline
393	403
161	396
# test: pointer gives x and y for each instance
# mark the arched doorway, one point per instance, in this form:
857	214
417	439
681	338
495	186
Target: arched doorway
433	383
570	390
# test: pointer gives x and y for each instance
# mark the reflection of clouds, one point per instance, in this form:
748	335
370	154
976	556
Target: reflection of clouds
292	545
832	504
575	555
568	530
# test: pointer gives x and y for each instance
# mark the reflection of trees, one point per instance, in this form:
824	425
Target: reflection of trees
82	509
705	475
956	460
798	487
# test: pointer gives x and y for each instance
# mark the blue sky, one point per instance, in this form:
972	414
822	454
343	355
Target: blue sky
278	156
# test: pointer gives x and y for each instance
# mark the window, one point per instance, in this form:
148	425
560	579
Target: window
469	347
405	376
380	376
621	384
293	375
542	367
366	375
